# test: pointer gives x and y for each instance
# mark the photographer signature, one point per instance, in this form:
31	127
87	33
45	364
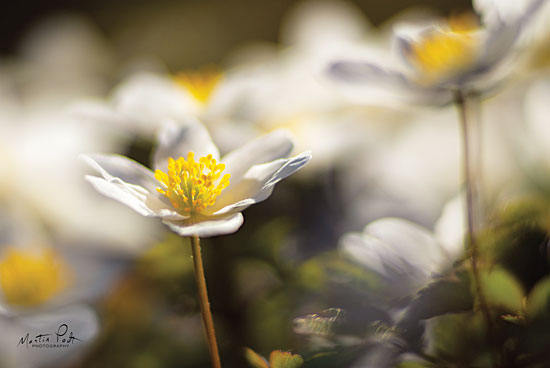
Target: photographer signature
62	338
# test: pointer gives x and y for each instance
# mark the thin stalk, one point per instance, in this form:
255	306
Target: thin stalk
205	303
471	238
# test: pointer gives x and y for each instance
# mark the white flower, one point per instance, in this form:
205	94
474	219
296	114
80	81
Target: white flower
203	197
37	274
536	144
404	254
445	57
42	291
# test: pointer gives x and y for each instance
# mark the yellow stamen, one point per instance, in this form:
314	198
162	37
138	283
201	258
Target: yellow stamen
30	278
202	83
192	186
443	52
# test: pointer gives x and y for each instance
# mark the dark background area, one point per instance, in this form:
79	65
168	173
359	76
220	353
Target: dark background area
223	24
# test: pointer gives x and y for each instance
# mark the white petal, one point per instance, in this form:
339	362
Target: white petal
116	166
120	192
177	138
269	147
376	255
81	321
142	198
404	253
503	34
208	228
450	227
365	252
411	242
389	83
257	184
361	72
148	99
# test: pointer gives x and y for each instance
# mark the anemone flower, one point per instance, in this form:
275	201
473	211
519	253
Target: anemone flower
445	58
45	288
453	61
406	255
194	191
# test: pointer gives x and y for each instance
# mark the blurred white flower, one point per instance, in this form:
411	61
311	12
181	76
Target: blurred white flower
536	142
42	291
404	254
445	57
63	60
535	41
203	197
38	272
45	149
264	87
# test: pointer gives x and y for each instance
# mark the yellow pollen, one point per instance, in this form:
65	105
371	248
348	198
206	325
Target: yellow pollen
202	83
443	52
192	186
29	278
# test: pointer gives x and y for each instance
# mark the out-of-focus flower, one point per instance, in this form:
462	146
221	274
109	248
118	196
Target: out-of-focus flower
404	254
203	197
43	288
201	83
536	142
265	87
62	60
535	41
46	148
446	57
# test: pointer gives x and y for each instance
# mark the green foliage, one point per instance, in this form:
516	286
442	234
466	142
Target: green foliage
538	300
277	359
502	290
284	359
459	338
517	241
441	296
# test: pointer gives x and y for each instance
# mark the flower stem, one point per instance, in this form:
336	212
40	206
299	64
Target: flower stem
204	303
471	238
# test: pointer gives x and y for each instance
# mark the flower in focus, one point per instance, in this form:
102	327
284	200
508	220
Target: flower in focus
193	190
446	57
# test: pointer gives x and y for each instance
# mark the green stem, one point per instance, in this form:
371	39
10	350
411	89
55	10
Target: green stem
204	303
471	238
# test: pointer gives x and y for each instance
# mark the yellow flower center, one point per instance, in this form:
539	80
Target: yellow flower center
443	52
200	83
192	186
29	277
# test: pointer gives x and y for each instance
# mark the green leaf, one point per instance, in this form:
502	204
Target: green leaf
502	290
255	359
538	301
461	337
442	296
284	359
